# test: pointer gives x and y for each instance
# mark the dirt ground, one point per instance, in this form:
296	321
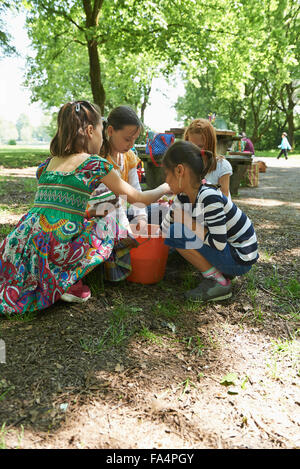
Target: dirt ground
198	376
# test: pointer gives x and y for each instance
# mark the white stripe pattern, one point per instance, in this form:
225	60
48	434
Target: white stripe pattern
225	222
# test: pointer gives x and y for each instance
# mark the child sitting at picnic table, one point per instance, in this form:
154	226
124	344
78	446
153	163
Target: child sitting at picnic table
202	133
205	227
120	131
53	246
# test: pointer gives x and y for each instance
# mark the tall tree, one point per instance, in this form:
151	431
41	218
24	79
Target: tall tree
59	29
64	33
250	73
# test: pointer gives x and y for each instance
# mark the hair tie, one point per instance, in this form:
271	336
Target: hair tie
202	152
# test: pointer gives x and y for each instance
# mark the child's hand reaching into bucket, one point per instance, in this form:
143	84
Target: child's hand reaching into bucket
142	226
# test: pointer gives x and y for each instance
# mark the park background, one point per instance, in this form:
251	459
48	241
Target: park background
171	61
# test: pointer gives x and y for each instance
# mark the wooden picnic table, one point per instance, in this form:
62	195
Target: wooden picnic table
224	138
238	160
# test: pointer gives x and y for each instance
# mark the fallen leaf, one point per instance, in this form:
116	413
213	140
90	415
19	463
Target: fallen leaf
119	368
229	379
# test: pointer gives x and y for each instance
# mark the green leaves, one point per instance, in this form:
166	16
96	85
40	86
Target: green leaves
229	379
245	65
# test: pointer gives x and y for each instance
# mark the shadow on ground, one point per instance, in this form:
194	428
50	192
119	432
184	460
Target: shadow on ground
137	367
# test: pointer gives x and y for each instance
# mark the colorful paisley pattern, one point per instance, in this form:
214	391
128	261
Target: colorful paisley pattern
51	248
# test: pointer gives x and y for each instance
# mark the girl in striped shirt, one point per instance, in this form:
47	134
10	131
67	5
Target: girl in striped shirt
206	227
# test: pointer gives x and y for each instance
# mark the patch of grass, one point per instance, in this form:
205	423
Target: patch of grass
118	331
194	306
14	209
167	309
26	317
22	157
5	230
17	194
274	153
266	254
185	387
284	358
30	185
5	388
259	314
286	294
189	280
194	344
150	336
252	279
293	288
3	433
95	281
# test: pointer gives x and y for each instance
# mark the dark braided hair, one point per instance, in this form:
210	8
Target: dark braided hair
72	121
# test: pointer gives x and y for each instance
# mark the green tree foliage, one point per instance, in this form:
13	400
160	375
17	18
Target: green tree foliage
108	49
83	45
23	127
251	75
6	48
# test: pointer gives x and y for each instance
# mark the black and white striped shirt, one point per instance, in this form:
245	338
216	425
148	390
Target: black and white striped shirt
225	222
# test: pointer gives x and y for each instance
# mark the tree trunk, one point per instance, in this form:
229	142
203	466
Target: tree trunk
290	112
95	75
144	103
92	10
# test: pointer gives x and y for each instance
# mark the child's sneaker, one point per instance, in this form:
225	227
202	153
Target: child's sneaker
77	293
210	290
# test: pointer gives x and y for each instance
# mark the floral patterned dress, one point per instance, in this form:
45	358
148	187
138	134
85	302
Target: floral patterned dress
53	245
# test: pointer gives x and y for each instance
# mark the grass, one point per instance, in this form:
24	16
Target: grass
22	157
26	317
25	188
168	309
4	432
150	336
274	153
285	294
185	387
284	358
119	329
194	345
5	229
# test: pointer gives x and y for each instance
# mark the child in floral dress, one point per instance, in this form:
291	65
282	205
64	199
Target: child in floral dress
54	246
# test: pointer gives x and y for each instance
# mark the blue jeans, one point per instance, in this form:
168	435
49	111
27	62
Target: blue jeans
222	260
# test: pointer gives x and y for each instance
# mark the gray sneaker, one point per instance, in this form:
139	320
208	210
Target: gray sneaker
209	290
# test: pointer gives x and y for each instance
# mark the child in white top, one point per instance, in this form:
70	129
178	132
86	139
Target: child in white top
202	133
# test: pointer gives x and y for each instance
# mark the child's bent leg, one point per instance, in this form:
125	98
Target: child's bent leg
196	259
202	264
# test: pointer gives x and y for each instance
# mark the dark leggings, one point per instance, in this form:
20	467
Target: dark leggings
282	152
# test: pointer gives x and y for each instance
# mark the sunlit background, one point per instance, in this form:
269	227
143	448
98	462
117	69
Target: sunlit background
15	98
